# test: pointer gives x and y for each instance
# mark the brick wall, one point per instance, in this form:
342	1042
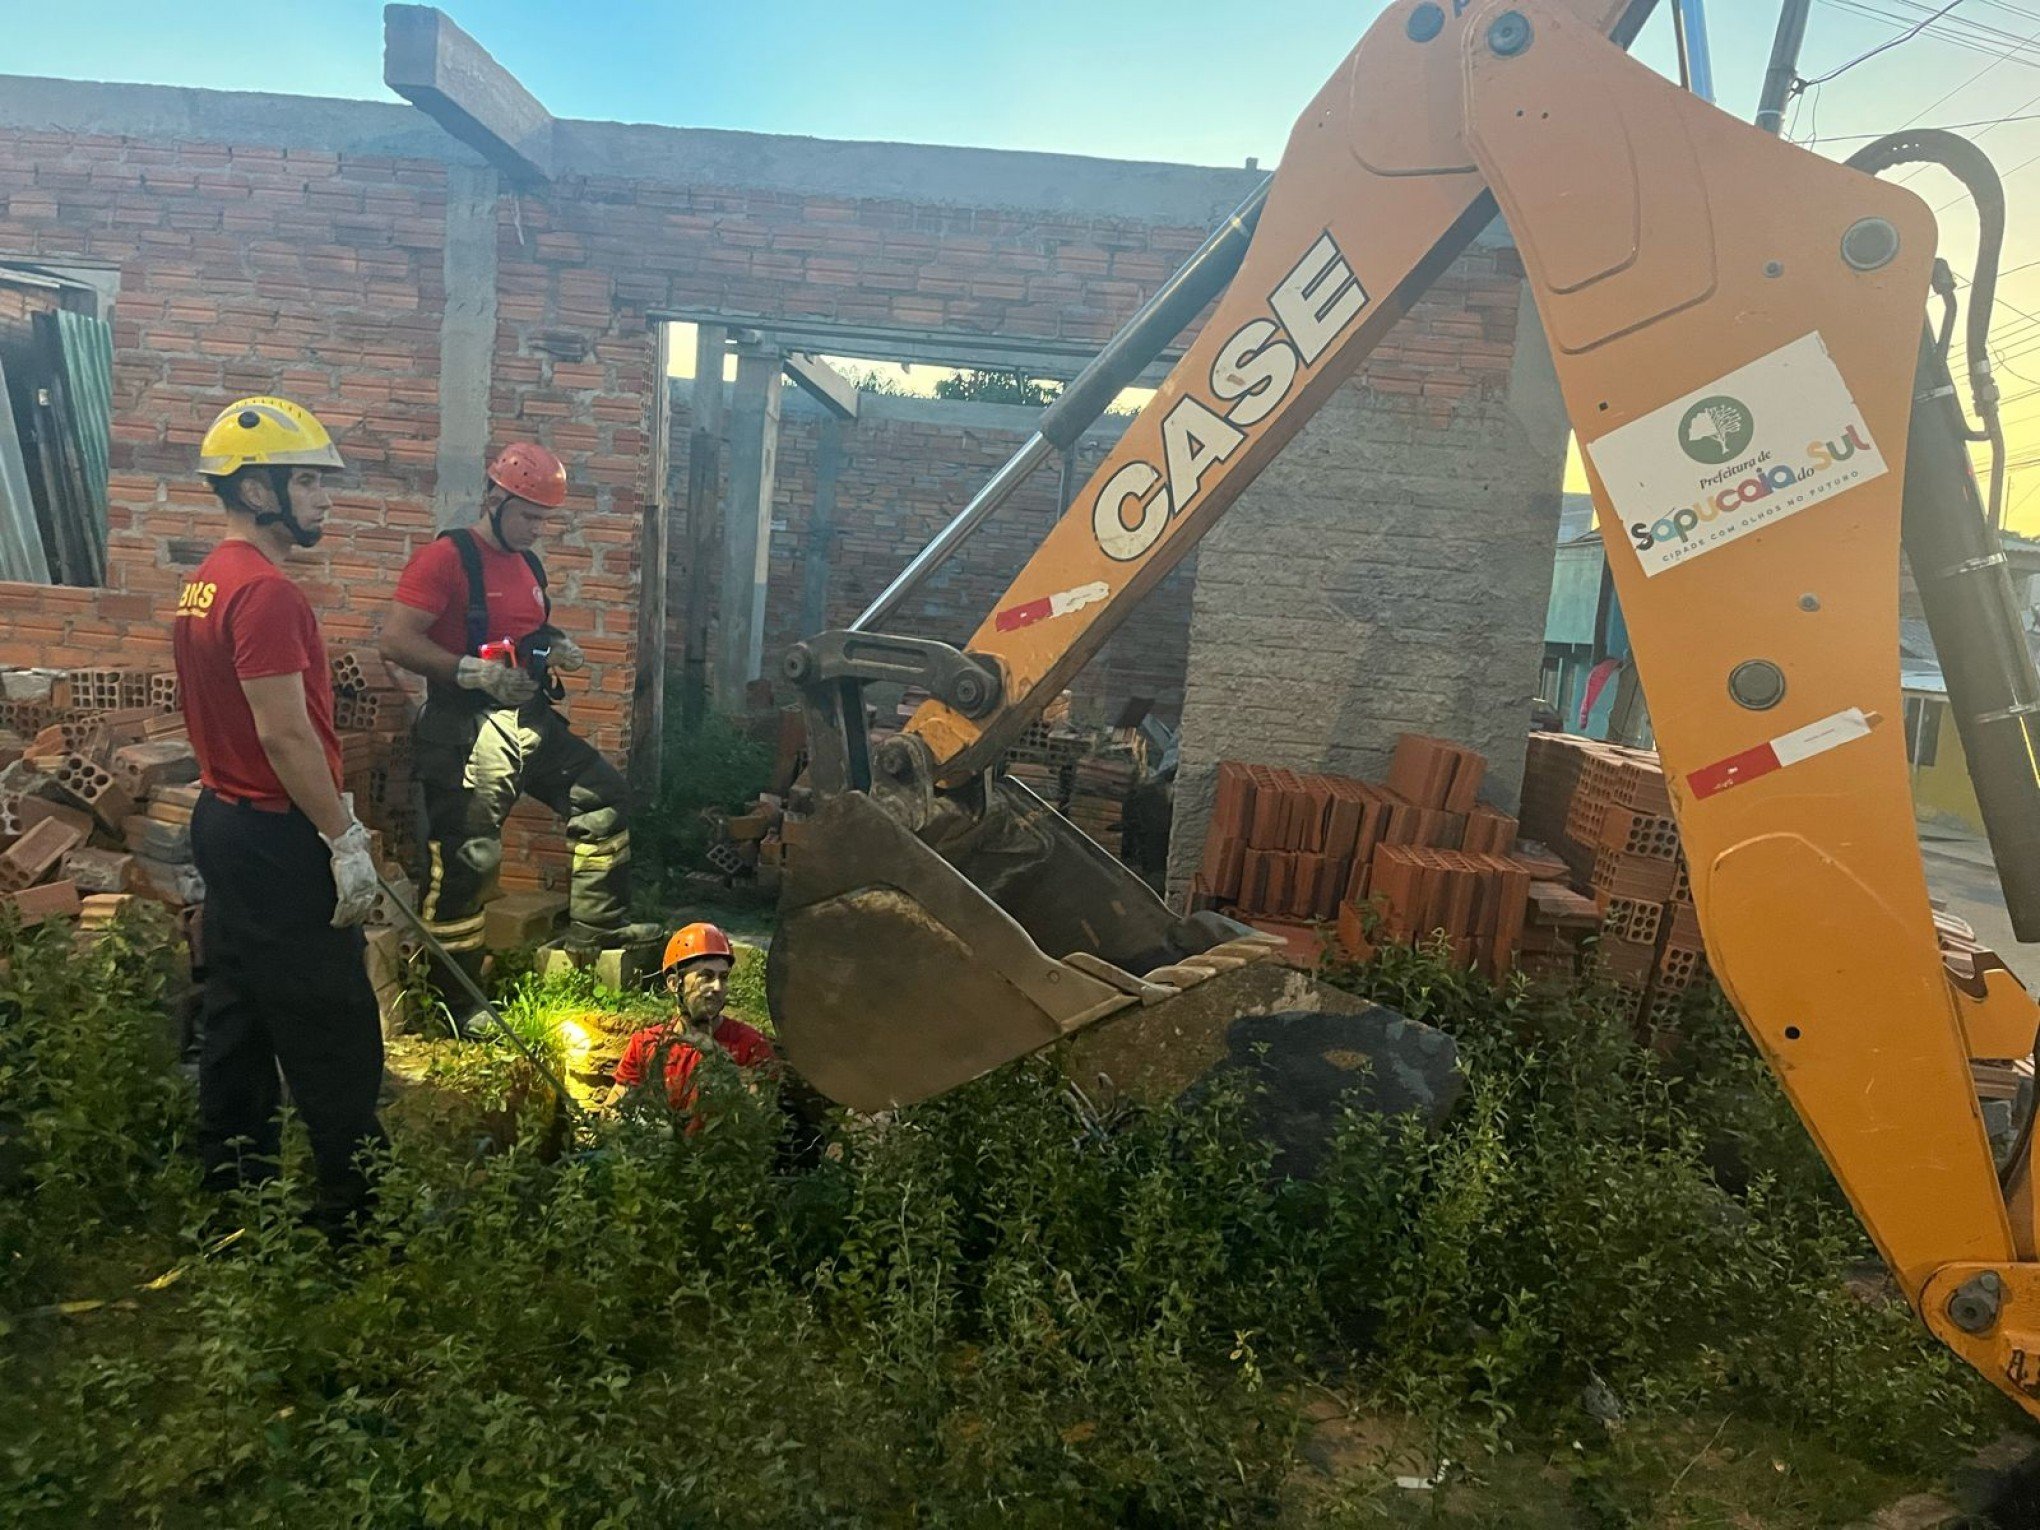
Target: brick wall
278	247
1390	571
907	466
243	270
300	247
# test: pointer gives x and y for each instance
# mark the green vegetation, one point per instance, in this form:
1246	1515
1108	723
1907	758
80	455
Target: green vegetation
710	768
998	385
1607	1293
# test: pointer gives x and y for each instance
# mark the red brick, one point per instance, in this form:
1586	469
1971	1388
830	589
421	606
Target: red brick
52	900
37	853
35	810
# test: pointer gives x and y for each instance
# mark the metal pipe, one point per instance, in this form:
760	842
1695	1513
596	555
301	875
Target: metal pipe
1175	303
943	545
1966	590
1696	60
1784	64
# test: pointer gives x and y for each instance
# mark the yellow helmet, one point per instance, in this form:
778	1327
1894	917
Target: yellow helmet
265	432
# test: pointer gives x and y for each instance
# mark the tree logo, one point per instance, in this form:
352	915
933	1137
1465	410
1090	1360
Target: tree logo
1716	430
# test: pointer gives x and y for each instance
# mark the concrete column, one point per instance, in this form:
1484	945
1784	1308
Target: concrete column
747	524
467	343
704	466
821	537
648	687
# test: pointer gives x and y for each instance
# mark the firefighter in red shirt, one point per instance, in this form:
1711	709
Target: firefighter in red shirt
697	969
287	869
488	733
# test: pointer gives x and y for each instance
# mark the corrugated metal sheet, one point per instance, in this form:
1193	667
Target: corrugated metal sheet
88	386
1575	517
22	558
1575	594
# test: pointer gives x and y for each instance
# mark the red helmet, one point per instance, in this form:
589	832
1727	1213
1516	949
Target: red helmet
529	471
692	942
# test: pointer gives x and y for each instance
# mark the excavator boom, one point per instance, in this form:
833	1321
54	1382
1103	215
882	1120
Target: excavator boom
1736	328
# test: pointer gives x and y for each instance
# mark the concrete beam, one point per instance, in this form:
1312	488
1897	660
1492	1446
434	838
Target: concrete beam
944	348
823	383
450	77
747	525
467	344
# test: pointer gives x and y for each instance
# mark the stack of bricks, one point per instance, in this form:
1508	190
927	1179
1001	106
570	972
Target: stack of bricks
98	783
372	716
96	803
1289	846
1477	904
1045	757
1100	783
1607	812
1402	861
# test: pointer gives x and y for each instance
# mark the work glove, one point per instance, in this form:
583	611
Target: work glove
355	884
566	655
503	683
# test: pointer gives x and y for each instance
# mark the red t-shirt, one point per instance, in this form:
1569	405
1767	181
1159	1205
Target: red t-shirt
747	1049
240	618
434	582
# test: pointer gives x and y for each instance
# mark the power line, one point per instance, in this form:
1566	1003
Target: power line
1944	127
2001	46
2003	175
1884	47
2001	59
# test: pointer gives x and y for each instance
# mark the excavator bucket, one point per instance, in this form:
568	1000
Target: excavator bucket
908	964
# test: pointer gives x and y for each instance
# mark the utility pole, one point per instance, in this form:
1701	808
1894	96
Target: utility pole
1784	64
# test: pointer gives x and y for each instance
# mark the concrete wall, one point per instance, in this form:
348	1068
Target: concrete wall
1390	572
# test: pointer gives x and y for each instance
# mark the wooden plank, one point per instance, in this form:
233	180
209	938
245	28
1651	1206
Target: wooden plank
823	383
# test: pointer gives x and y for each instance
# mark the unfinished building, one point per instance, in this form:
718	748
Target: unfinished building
439	278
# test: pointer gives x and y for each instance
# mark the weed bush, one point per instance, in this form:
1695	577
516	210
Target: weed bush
710	767
1001	1305
91	1111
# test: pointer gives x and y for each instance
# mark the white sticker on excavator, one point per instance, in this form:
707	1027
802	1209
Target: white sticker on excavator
1766	441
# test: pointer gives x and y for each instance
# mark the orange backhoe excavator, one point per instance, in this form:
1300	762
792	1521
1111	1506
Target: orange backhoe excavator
1737	326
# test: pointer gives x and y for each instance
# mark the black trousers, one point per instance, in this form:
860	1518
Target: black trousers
473	764
284	991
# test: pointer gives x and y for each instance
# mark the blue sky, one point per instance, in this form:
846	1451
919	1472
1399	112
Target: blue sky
1145	79
1195	81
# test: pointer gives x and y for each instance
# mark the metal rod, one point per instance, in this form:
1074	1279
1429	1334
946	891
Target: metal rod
1175	303
1696	61
1784	64
942	547
474	991
1966	592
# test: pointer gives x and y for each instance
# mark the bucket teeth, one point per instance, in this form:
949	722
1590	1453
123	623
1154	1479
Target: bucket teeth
1146	990
1182	975
1254	948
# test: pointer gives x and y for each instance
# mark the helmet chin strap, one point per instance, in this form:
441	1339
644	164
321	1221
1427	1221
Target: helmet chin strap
496	519
279	479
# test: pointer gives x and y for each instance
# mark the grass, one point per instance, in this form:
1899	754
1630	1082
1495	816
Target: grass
1607	1292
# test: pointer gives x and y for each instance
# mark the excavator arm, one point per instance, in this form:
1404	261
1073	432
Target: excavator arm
1736	329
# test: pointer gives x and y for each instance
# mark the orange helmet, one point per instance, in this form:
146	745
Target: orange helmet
529	471
692	942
